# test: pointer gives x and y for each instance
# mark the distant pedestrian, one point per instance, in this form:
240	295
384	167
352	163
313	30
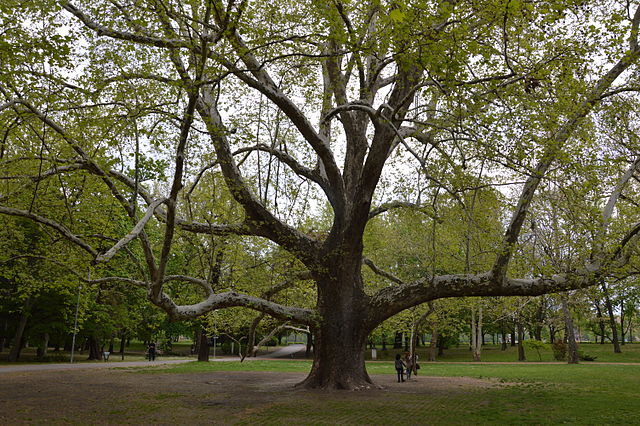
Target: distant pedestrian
152	351
408	362
400	368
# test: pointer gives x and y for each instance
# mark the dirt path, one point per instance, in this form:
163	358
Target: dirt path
130	397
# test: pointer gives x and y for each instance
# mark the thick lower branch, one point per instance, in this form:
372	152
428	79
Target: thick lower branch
391	300
63	230
233	299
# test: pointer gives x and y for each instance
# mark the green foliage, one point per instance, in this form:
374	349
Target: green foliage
537	345
583	356
559	350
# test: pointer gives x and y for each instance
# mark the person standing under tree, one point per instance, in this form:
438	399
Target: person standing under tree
152	351
400	368
408	361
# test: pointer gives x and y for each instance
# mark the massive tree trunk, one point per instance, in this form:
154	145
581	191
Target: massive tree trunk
341	336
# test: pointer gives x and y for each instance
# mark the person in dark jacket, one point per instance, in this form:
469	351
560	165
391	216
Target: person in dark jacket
400	368
152	351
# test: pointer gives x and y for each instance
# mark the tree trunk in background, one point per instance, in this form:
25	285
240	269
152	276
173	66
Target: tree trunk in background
476	333
94	349
397	341
307	353
623	318
3	334
251	350
513	336
196	340
521	354
601	322
122	343
503	346
45	344
612	319
433	346
552	334
16	348
572	353
203	346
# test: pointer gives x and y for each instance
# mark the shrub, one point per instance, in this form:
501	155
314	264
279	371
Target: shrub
535	344
55	357
559	350
583	356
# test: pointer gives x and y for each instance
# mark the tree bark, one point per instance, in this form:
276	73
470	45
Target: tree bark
340	338
521	353
572	353
16	348
338	360
122	342
94	349
3	336
601	322
433	346
397	341
623	318
476	333
307	353
612	319
45	344
203	346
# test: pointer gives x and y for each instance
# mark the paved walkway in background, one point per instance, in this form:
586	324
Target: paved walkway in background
286	352
86	365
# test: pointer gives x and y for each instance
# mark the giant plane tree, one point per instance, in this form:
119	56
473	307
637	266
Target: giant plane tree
128	124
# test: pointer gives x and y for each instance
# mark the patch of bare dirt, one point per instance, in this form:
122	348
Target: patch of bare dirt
127	397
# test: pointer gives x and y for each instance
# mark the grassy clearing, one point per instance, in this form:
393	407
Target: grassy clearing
529	394
215	393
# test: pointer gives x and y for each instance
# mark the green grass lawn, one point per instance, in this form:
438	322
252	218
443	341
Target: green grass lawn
528	394
493	353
